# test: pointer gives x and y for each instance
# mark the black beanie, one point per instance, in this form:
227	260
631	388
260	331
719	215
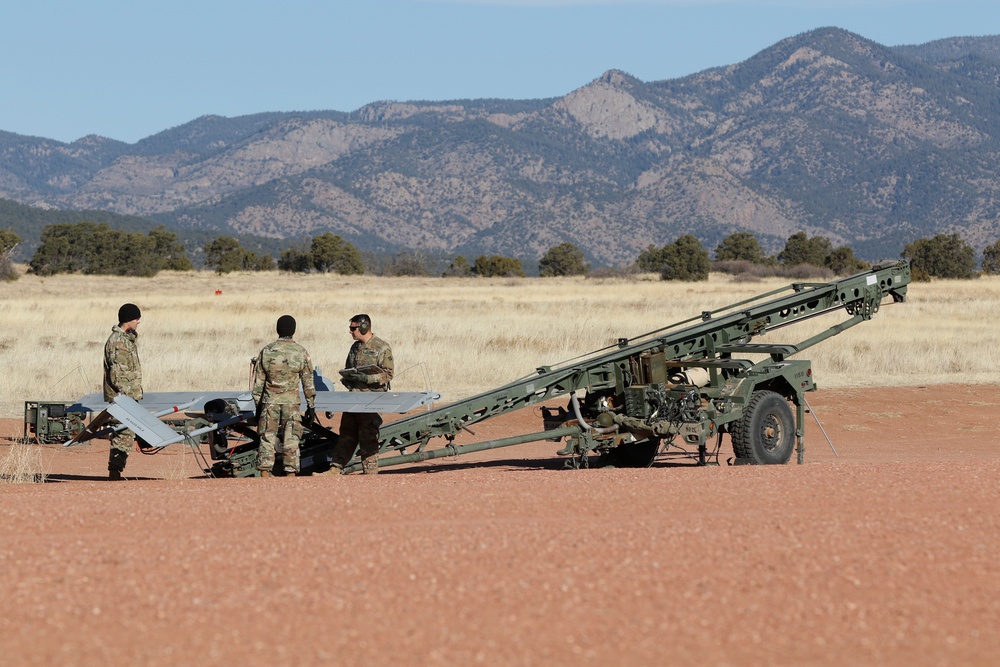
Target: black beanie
128	312
286	326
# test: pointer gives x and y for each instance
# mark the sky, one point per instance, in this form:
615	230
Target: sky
127	69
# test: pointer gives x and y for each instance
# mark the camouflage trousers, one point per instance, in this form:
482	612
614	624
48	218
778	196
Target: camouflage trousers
123	441
280	430
121	444
358	430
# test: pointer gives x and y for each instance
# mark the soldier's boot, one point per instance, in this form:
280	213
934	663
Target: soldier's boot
335	470
370	465
266	473
116	464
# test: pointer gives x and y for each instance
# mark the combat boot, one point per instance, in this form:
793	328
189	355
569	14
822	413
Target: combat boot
116	464
370	465
335	470
266	473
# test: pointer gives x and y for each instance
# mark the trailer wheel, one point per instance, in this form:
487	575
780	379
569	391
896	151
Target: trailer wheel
766	432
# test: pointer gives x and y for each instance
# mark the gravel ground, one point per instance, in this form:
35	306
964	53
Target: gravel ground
884	555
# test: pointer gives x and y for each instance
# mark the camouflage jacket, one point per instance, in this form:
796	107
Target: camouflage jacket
278	370
122	371
376	352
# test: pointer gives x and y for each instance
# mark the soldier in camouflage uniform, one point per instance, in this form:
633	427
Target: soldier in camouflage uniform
278	370
360	430
122	375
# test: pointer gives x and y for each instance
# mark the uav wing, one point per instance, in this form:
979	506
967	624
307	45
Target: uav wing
129	414
163	400
142	416
327	399
373	401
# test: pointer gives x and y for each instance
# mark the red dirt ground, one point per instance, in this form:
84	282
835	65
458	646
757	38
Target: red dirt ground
885	555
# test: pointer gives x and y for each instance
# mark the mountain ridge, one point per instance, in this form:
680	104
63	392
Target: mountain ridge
824	132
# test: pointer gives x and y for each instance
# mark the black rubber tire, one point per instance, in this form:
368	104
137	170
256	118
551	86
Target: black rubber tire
220	444
766	433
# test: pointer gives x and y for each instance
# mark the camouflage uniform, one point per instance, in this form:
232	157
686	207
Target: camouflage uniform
122	375
360	429
278	370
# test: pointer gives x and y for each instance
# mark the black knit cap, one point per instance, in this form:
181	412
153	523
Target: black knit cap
128	312
286	326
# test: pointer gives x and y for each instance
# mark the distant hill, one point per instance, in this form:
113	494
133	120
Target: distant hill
824	132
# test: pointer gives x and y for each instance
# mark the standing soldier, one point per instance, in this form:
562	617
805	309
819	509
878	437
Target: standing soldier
369	367
122	375
278	370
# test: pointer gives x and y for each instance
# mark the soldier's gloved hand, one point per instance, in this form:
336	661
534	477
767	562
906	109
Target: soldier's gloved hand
310	416
353	378
351	381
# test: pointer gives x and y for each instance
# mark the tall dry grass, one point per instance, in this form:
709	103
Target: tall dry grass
21	463
456	336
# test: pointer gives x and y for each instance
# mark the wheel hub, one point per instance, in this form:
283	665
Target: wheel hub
770	433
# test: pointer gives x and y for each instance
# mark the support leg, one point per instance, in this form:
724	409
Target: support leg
800	418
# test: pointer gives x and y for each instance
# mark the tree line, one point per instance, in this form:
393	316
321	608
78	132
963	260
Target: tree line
940	256
96	248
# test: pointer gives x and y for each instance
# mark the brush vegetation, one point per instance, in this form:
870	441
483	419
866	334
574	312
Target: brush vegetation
460	336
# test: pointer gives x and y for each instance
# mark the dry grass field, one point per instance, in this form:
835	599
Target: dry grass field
456	336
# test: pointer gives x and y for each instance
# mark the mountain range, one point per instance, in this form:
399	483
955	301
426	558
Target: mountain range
825	132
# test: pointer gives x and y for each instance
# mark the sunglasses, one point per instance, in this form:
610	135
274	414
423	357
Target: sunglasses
353	328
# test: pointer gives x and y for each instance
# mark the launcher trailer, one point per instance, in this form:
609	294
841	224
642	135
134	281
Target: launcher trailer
669	392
